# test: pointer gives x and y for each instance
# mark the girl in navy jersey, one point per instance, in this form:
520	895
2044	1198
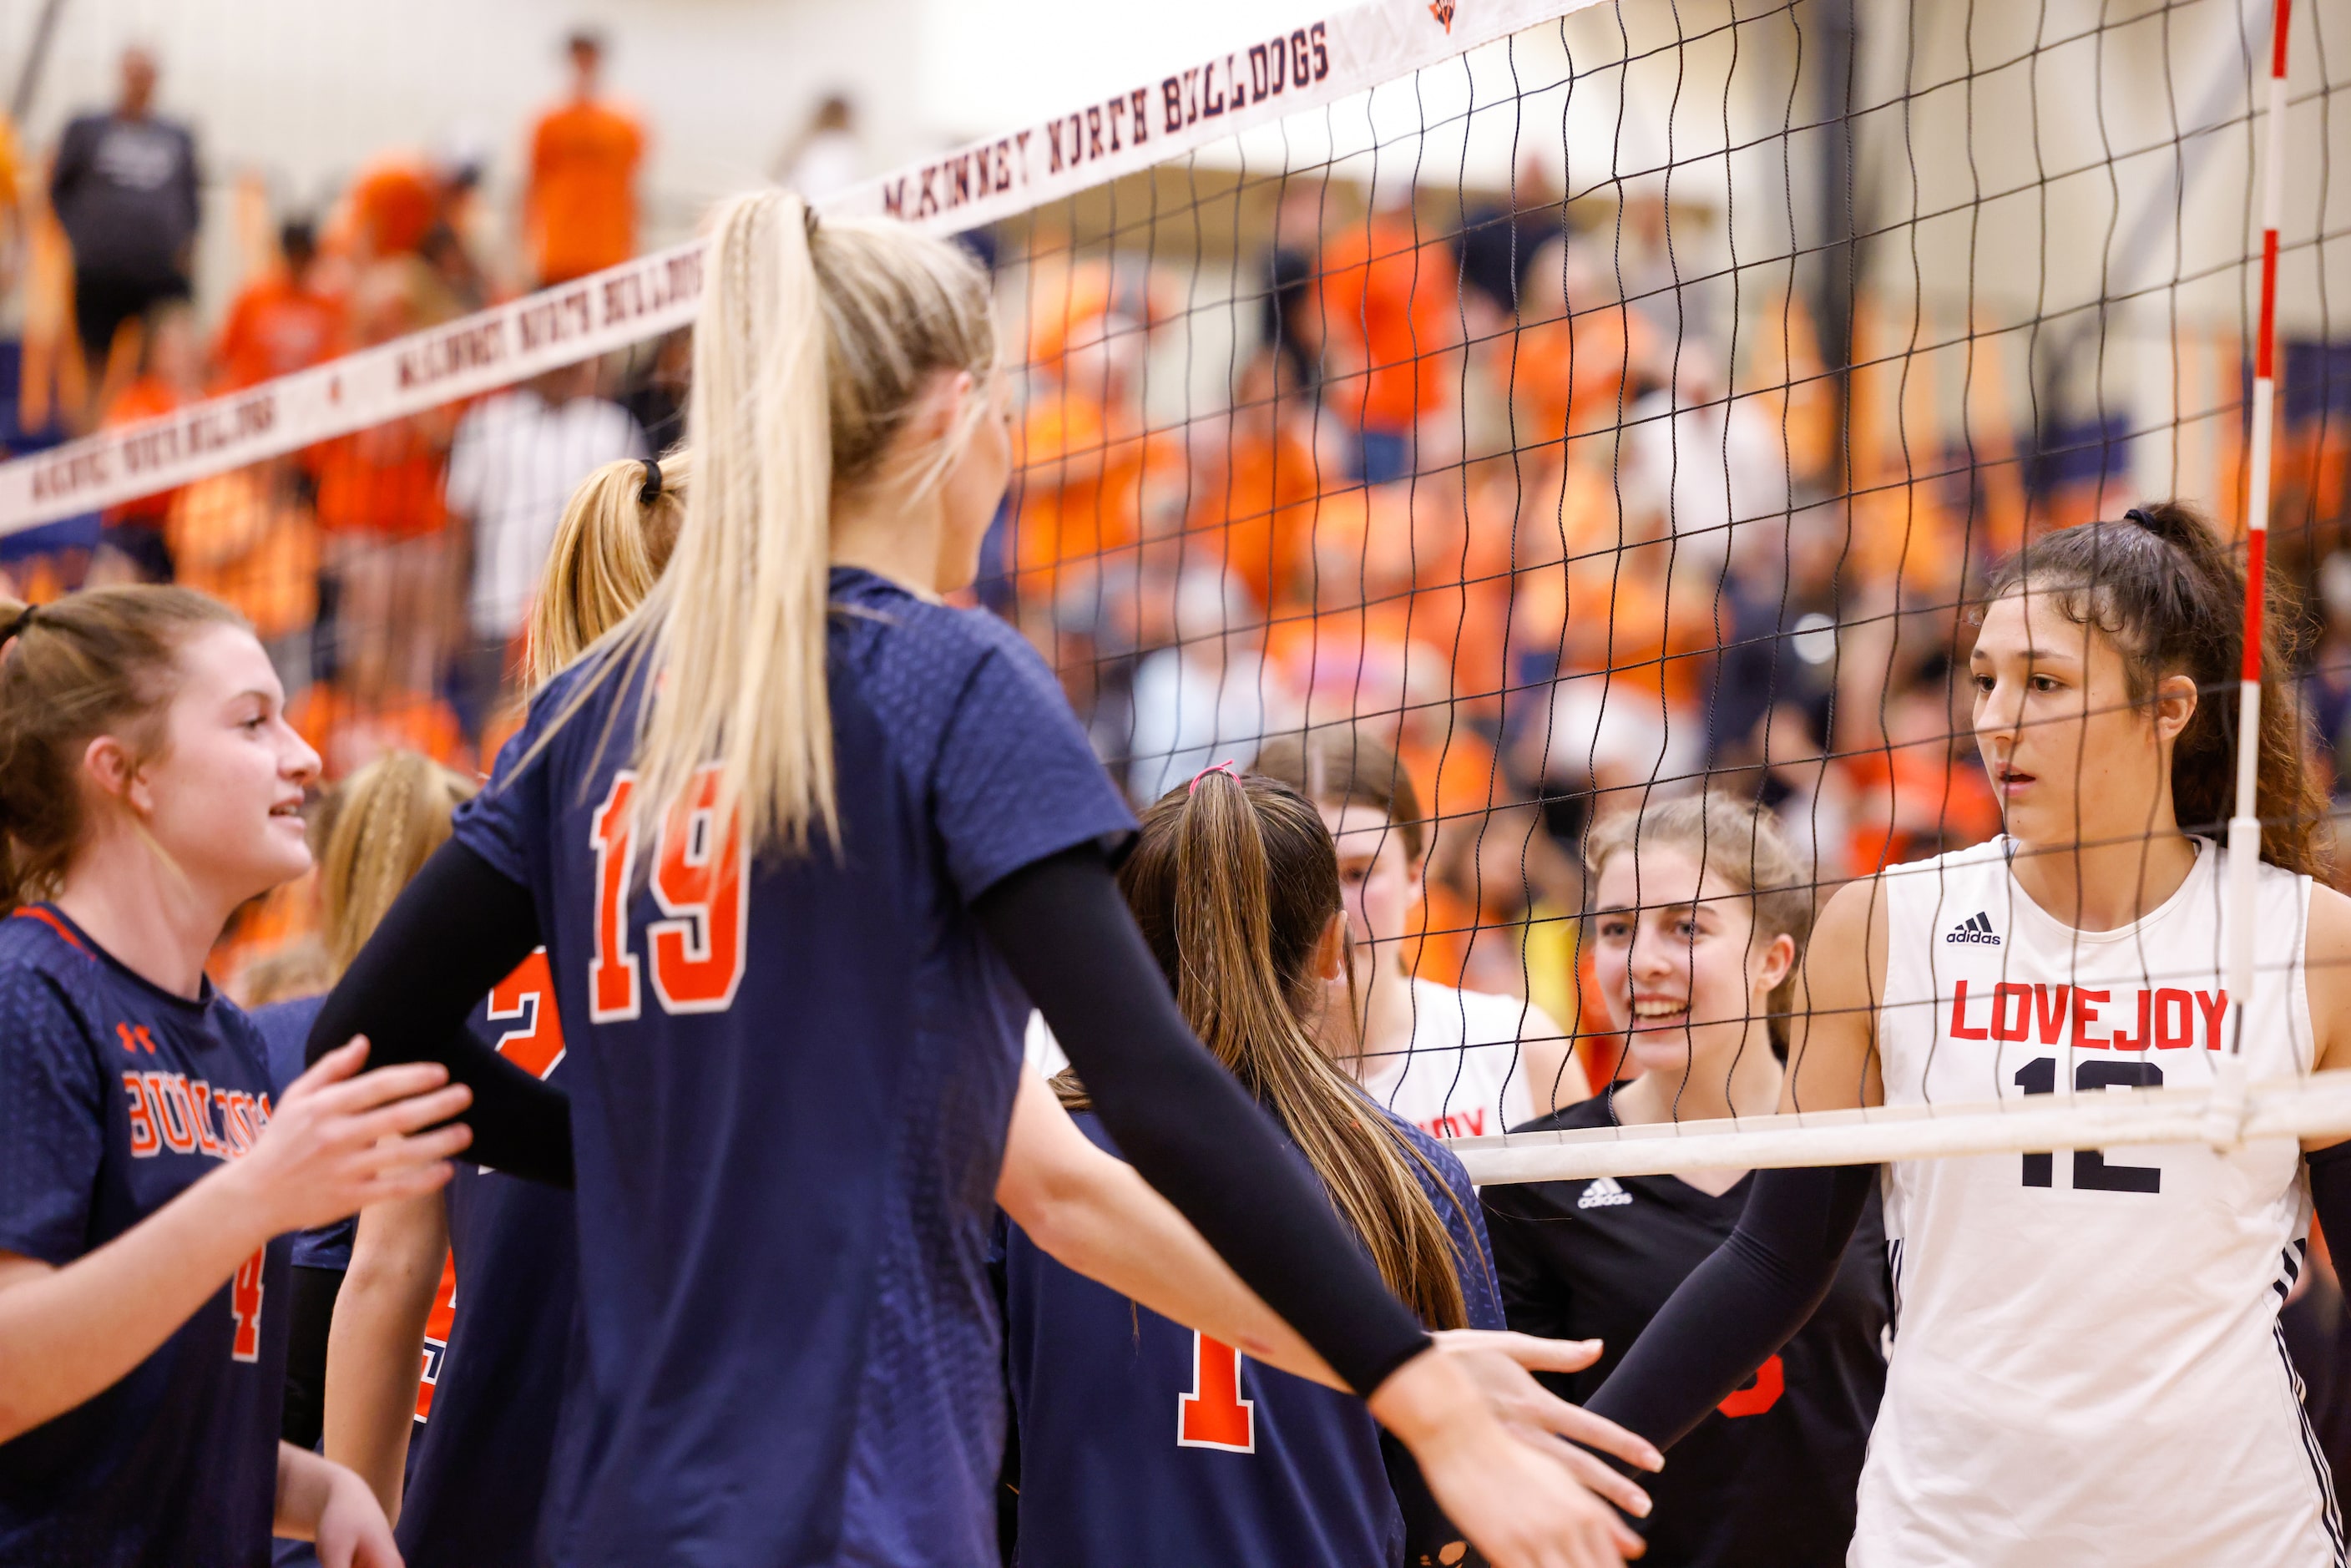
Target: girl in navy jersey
478	1285
1699	914
149	785
1236	886
798	839
2086	1364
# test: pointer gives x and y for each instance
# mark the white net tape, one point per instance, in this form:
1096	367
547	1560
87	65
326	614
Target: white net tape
2317	1106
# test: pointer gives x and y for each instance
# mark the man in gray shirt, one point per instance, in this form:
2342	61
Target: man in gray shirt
125	189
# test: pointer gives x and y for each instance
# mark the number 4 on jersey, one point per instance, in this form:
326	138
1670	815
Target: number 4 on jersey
697	881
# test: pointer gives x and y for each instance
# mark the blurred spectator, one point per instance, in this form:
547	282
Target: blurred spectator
581	206
2326	690
246	537
1387	311
12	192
282	322
1706	461
826	156
397	202
654	391
1289	324
132	546
1208	697
1583	359
1253	509
126	186
516	460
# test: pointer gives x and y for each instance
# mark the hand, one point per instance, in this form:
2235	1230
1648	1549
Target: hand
1500	1362
340	1140
352	1532
1518	1500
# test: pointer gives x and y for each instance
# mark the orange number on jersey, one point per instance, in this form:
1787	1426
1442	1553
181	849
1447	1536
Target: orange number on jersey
1760	1396
244	1306
698	882
1213	1415
436	1334
697	879
529	994
612	968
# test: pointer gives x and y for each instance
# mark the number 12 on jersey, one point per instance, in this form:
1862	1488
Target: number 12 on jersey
2091	1171
697	882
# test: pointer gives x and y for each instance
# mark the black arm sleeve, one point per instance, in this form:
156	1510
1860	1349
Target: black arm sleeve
1184	1122
454	932
1741	1305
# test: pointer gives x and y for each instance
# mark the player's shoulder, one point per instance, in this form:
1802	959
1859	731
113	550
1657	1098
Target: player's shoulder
1446	1164
919	656
51	979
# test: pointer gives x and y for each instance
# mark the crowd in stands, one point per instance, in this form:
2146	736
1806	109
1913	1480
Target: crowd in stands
1561	531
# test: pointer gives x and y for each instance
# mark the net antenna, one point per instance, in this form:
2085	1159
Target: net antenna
2224	1118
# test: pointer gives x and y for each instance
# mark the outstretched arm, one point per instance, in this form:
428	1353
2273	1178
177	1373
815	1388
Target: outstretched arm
455	931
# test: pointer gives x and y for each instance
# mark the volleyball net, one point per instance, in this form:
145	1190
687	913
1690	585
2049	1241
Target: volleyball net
1581	405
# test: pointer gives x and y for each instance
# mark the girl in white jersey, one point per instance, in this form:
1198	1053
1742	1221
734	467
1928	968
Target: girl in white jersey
1455	1063
2086	1369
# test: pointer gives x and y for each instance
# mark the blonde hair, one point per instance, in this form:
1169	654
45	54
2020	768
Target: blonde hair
1739	841
388	818
812	345
1234	881
608	552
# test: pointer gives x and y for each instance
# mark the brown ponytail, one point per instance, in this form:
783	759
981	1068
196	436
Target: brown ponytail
1234	882
98	663
2171	595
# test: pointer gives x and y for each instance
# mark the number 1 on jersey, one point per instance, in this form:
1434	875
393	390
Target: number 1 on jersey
697	881
1213	1415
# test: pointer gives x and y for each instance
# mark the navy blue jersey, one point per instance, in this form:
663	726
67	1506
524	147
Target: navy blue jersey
789	1103
486	1418
1151	1446
115	1097
285	1029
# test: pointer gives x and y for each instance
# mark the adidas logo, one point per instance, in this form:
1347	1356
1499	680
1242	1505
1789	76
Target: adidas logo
1976	928
1604	1194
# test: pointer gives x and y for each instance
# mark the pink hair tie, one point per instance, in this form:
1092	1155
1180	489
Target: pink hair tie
1226	768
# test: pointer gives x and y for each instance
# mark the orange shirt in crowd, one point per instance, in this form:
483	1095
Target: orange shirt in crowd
392	206
581	206
145	398
1389	309
244	538
1255	517
1080	481
384	480
349	733
1569	377
276	327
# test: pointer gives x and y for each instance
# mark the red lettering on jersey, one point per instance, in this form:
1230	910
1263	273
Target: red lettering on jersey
529	993
2002	1027
2086	1013
2214	1005
2168	1036
2146	1035
244	1306
1759	1393
167	1103
1959	1029
143	1141
1213	1415
612	968
200	1098
698	954
1470	1123
2048	1010
236	1120
437	1324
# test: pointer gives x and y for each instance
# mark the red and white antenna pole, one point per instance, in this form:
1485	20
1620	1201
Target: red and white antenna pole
2245	824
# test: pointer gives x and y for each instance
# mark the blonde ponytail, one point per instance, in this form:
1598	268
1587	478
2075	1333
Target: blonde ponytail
813	348
611	546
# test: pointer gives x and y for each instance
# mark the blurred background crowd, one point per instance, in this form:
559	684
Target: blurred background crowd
1505	478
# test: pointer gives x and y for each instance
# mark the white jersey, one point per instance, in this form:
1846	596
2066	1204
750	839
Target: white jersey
1461	1077
2088	1368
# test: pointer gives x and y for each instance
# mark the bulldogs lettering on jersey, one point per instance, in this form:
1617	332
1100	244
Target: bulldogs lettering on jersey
2122	1306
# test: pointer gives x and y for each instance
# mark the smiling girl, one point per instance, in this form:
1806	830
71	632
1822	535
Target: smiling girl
2087	1367
149	785
1702	913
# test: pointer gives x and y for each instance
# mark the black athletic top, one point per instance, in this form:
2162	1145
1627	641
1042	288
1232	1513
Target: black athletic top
1768	1480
